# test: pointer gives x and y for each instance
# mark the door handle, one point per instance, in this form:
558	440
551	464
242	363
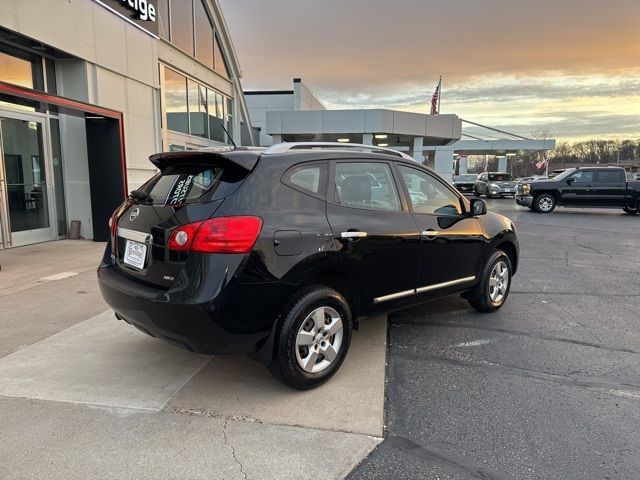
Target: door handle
429	234
352	235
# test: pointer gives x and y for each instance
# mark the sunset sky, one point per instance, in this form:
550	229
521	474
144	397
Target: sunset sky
569	66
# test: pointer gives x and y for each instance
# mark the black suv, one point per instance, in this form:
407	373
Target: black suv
279	253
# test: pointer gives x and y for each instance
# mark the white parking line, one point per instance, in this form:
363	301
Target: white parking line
477	343
58	276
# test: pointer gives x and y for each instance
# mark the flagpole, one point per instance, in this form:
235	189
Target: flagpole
440	95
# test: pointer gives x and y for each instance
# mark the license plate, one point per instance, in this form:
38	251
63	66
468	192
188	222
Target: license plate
135	254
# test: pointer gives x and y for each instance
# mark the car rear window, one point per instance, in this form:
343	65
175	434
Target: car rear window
499	177
185	184
465	178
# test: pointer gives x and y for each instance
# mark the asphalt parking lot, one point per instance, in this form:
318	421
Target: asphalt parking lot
546	388
549	387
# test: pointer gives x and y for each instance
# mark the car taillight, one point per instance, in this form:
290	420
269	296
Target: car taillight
217	235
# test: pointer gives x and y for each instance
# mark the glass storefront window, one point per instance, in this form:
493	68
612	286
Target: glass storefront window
220	65
163	19
197	109
175	94
25	177
204	35
194	109
16	70
182	25
230	117
216	116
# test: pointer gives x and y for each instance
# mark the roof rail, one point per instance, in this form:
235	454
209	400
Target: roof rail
287	146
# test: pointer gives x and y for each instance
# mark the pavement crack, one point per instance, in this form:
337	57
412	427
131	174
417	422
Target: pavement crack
523	334
589	247
416	450
589	383
233	450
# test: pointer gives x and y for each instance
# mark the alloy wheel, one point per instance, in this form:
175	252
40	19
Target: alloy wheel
499	282
319	340
545	204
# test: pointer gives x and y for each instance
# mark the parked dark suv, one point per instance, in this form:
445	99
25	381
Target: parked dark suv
279	253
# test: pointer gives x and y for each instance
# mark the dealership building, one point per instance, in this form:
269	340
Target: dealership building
89	89
438	141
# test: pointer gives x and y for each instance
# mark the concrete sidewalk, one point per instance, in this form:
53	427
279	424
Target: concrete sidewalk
83	395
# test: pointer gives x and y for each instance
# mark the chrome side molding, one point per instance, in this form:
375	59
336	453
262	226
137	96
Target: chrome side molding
451	283
428	288
394	296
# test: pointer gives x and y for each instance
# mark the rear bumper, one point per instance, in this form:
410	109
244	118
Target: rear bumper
524	200
225	324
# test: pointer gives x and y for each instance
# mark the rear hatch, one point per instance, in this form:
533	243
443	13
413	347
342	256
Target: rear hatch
190	187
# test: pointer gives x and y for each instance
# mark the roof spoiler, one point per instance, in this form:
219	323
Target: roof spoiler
244	159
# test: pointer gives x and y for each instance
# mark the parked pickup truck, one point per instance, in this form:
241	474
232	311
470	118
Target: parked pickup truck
604	187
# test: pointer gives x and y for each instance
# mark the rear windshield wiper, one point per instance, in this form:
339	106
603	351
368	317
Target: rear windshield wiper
141	196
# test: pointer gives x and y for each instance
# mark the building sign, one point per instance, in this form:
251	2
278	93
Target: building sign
142	13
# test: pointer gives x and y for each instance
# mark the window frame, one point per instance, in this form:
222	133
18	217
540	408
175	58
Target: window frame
332	190
324	182
462	201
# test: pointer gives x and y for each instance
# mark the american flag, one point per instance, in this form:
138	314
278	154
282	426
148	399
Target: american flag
435	100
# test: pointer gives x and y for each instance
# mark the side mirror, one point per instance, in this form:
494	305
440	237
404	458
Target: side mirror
478	207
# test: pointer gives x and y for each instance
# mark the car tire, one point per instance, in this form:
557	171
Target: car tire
544	203
302	347
495	283
631	210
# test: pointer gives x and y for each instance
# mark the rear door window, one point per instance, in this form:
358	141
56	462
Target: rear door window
608	177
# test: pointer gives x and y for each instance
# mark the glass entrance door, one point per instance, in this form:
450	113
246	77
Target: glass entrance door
24	196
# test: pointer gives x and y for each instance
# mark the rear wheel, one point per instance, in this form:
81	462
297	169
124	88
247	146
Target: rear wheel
545	203
492	291
313	338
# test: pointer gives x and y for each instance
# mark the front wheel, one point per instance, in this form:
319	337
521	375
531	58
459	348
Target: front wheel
545	203
492	291
312	338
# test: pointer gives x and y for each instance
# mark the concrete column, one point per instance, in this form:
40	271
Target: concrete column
416	149
443	164
277	139
502	164
463	165
367	138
